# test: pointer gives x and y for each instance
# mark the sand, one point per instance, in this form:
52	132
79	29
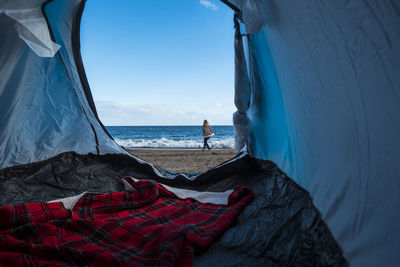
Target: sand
186	161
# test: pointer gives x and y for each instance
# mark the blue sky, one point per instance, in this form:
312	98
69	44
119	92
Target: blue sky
158	62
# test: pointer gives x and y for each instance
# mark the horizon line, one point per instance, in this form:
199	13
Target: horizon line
165	125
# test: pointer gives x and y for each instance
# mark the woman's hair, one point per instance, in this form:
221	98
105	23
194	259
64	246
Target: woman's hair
205	123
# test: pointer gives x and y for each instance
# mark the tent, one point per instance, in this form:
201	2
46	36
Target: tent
317	93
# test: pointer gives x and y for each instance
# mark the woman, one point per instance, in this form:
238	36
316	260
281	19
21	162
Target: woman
207	133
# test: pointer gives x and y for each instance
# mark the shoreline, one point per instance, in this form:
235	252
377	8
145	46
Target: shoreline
184	160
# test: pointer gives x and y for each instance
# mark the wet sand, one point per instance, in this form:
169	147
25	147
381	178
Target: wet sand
186	161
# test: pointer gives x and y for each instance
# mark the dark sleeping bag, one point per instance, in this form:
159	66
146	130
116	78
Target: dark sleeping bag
280	227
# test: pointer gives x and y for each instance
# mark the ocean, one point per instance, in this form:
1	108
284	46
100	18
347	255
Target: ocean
171	137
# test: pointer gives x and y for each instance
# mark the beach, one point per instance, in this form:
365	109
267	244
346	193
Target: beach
186	161
176	148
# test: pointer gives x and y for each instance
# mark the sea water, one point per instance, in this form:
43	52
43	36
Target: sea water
171	137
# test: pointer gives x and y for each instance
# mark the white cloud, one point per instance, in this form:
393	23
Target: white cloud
125	114
218	105
209	4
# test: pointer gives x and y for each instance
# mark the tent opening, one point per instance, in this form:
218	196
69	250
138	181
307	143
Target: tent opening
164	71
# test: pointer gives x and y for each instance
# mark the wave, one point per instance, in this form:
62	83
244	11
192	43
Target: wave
175	144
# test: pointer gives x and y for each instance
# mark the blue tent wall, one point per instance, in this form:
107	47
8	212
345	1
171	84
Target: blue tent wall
44	110
56	11
269	136
330	117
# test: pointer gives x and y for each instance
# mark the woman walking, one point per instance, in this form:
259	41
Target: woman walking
207	133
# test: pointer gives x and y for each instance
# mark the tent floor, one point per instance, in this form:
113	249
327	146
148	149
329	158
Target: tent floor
281	227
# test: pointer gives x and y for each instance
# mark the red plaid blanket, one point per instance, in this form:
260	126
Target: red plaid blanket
148	227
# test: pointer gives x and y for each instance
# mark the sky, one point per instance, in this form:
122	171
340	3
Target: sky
158	62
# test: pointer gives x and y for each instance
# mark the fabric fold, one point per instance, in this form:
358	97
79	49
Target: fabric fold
32	27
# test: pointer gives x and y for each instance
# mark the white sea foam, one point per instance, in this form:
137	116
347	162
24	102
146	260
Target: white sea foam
165	143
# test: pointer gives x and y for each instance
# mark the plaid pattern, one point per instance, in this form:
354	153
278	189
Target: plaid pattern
149	227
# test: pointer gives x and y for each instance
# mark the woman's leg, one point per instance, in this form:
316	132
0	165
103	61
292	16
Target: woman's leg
206	144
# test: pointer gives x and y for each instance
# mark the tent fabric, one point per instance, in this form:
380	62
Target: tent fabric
242	91
280	227
250	13
325	106
31	27
54	114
